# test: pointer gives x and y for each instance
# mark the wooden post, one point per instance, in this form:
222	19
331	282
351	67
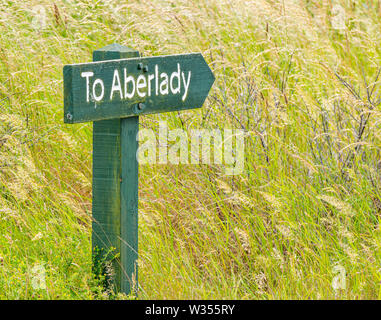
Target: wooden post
115	187
94	92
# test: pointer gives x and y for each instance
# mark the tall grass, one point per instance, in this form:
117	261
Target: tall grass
308	203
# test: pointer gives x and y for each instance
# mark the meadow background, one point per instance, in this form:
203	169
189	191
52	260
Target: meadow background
301	222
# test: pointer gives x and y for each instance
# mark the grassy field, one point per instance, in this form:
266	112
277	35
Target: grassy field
301	222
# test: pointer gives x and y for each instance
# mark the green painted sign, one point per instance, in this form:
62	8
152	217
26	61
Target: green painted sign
113	91
129	87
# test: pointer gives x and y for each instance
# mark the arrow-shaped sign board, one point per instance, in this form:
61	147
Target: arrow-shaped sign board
130	87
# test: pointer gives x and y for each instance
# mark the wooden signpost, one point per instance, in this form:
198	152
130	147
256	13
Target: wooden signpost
113	91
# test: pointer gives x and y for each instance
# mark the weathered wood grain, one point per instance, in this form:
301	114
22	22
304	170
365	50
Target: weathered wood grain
115	185
129	203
